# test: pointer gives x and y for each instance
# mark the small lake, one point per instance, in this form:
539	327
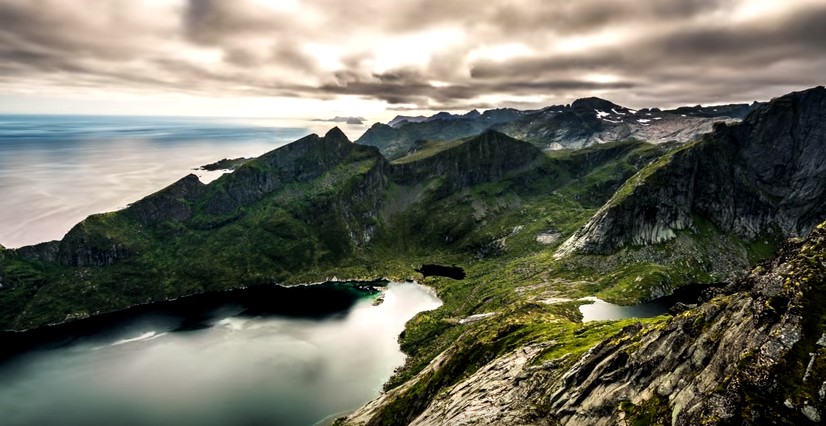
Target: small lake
600	310
232	366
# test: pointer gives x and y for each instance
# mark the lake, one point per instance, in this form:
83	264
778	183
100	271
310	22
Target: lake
599	310
239	367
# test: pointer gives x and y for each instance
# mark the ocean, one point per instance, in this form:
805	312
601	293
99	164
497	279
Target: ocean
56	170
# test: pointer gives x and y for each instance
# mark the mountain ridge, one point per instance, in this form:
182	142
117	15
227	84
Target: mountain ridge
585	122
746	178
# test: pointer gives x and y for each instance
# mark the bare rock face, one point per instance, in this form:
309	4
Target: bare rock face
765	175
485	158
171	203
749	357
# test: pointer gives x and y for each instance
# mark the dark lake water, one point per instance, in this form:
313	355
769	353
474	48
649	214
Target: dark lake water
235	368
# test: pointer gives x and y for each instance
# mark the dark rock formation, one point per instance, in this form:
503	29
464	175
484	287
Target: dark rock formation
225	164
764	175
396	139
171	203
44	252
485	158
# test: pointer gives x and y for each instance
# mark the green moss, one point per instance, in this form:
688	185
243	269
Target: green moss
654	411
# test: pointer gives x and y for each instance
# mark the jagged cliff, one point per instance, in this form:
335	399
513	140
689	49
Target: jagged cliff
762	176
395	139
754	355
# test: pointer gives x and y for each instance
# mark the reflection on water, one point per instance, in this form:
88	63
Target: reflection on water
56	170
600	310
240	371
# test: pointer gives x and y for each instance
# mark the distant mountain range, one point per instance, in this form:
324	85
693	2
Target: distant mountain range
583	123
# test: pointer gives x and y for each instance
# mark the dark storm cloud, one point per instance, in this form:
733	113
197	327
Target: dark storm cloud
684	50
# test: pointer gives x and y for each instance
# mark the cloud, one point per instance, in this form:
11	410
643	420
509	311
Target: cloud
418	54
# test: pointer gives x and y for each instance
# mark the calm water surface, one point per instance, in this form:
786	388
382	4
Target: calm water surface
56	170
270	370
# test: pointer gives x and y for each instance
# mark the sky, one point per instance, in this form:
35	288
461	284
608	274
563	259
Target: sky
374	59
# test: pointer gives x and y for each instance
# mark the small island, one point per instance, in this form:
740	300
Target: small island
225	164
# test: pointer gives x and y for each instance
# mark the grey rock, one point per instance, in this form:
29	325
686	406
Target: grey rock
762	175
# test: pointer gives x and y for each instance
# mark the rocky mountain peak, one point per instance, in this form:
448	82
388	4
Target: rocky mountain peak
594	103
402	119
336	135
760	176
472	114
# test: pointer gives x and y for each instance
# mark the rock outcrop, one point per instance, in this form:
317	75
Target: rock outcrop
765	175
171	203
754	356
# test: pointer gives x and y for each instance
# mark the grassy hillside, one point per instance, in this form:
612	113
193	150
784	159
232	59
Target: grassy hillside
319	208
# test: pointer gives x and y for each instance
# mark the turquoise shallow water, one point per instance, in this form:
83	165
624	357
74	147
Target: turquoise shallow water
239	370
56	170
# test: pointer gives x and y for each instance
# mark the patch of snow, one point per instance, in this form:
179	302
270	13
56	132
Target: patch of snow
617	112
632	111
644	120
555	300
602	114
610	121
682	115
555	146
658	118
548	237
476	317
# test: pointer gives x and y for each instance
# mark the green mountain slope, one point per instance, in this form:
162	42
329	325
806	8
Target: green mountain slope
314	209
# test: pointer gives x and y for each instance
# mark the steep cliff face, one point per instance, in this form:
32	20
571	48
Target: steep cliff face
484	158
765	175
171	203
